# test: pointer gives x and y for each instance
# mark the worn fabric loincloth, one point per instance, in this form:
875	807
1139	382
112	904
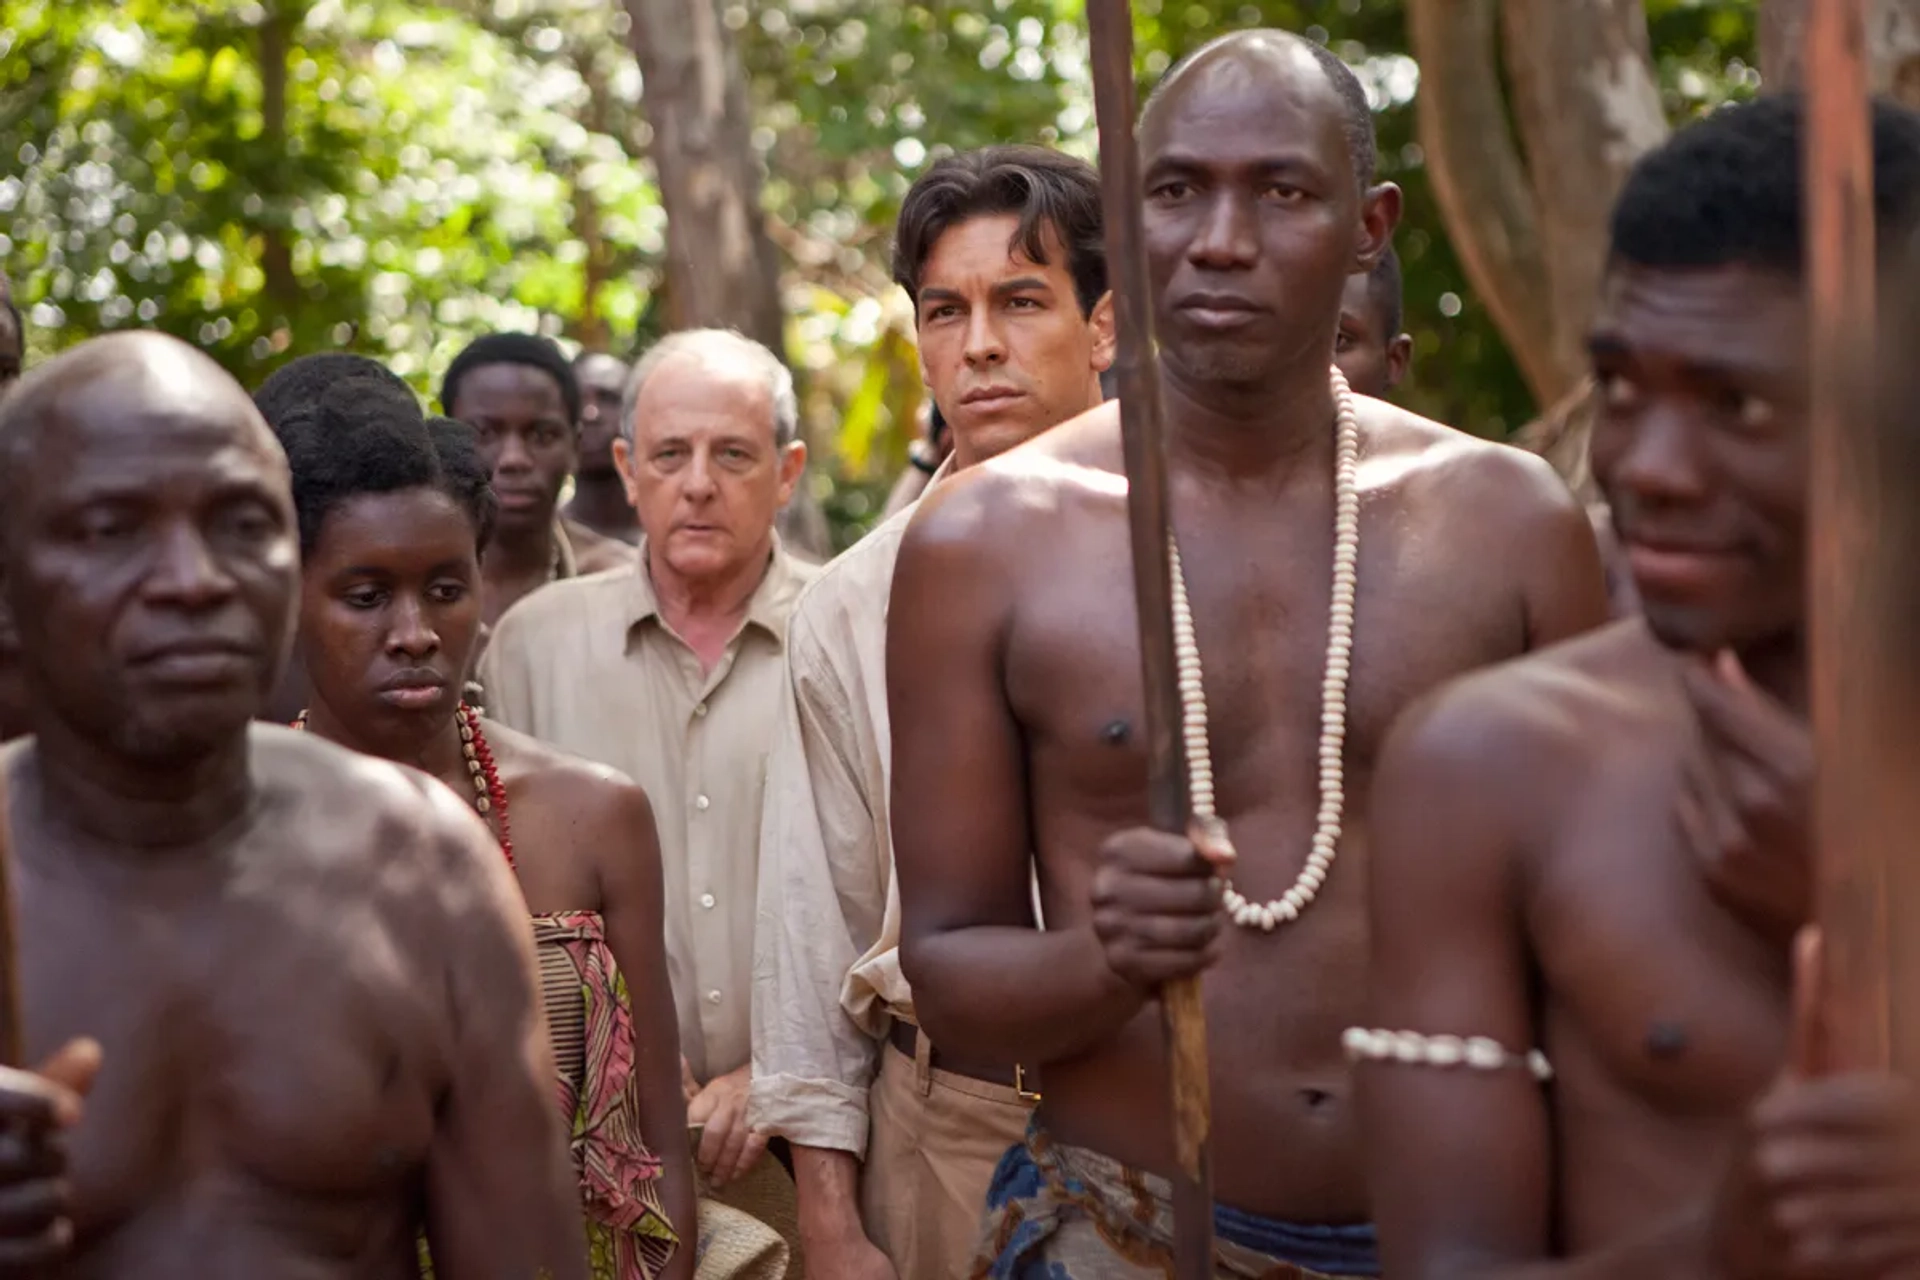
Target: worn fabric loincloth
1056	1212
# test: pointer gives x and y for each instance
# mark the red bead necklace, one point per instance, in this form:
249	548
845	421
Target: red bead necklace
489	793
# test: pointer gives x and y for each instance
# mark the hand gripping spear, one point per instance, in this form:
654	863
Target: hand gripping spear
1110	25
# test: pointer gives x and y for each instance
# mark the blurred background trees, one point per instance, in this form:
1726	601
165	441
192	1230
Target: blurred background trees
271	177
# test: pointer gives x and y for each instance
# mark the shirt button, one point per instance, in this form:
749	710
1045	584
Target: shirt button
706	900
701	803
713	997
700	709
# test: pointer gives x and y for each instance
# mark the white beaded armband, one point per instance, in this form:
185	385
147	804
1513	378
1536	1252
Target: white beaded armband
1477	1053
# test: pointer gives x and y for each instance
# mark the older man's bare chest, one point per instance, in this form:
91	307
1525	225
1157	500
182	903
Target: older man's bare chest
1261	591
273	1049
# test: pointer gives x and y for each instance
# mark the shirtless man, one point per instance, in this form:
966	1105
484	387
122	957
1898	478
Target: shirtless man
1028	752
309	971
1625	897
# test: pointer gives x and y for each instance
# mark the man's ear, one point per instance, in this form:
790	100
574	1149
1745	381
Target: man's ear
1105	338
1399	359
628	467
793	465
1379	215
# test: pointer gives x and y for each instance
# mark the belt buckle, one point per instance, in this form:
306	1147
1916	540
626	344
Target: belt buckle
1020	1085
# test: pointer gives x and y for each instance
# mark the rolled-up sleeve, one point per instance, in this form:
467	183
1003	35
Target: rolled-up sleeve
822	900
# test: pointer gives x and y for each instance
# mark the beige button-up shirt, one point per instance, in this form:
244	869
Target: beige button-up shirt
826	969
589	665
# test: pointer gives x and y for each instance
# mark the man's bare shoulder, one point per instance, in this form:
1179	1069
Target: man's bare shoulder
1545	715
1002	500
1428	460
362	814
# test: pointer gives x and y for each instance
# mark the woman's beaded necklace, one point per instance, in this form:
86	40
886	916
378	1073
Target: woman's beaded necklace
489	793
1333	691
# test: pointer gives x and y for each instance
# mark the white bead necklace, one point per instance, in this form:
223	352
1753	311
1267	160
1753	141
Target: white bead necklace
1333	690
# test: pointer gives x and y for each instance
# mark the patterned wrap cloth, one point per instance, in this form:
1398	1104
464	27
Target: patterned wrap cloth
628	1236
1056	1212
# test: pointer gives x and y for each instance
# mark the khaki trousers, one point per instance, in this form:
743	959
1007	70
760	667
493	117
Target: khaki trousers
934	1140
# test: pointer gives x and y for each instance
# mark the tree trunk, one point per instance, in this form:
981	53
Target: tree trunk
1531	232
1893	46
1587	106
721	265
1893	51
1479	180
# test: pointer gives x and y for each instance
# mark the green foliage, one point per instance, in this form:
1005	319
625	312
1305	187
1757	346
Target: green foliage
436	169
414	188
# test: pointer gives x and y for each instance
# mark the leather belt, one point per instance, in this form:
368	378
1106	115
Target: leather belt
904	1036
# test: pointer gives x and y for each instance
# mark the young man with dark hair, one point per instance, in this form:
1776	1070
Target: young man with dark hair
1592	863
519	393
894	1137
1370	349
599	497
1296	506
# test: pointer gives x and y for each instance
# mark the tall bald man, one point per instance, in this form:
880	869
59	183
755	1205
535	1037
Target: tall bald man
1028	754
309	970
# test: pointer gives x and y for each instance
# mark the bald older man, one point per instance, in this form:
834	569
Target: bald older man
672	672
309	971
1029	753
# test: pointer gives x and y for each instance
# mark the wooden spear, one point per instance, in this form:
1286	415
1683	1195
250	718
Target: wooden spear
1866	809
1110	25
12	1044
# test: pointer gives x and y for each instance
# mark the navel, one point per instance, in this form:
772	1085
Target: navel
1116	733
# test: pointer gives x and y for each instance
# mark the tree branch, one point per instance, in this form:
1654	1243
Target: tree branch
1479	180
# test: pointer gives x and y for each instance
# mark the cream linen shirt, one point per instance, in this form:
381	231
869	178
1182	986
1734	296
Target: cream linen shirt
589	665
826	966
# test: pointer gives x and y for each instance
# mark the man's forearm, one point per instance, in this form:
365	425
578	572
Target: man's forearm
995	994
828	1184
1675	1251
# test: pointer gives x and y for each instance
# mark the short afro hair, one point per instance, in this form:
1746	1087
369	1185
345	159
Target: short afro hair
1356	113
1729	189
358	438
1044	189
531	349
295	388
